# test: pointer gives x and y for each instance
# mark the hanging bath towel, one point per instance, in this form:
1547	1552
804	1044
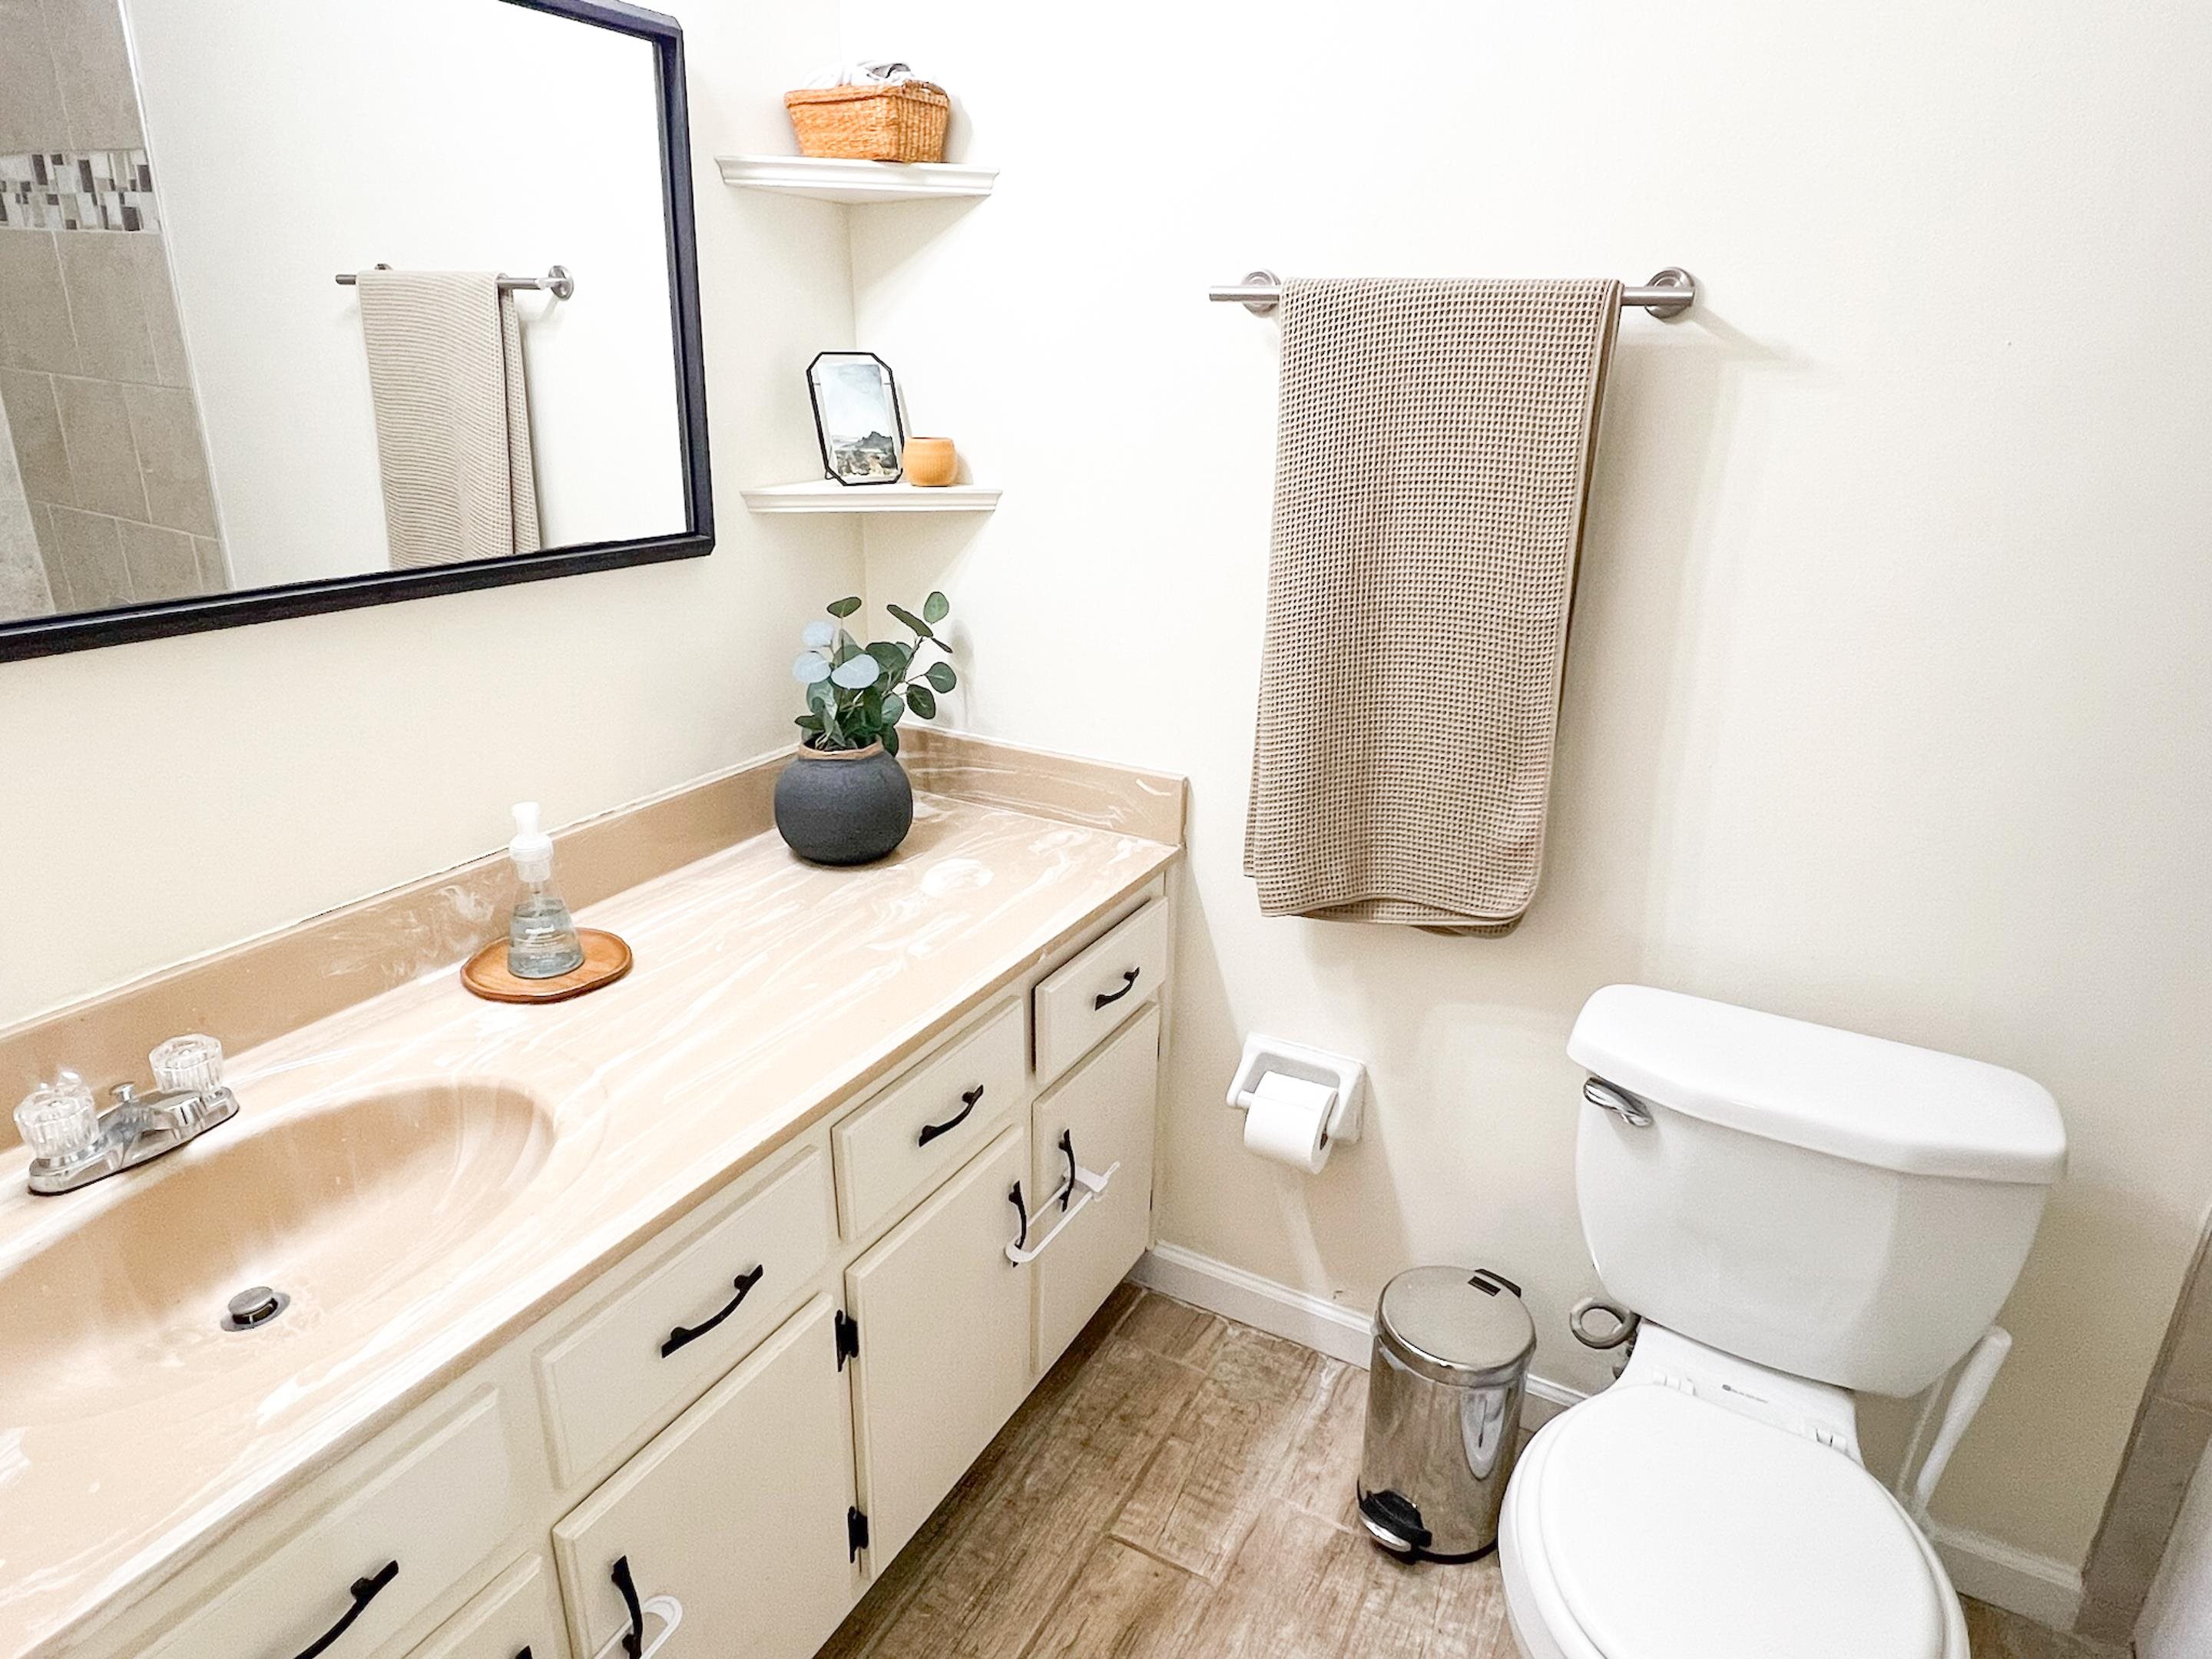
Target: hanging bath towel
452	416
1432	462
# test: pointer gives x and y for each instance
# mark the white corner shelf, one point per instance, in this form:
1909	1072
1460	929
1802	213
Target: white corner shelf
828	497
830	180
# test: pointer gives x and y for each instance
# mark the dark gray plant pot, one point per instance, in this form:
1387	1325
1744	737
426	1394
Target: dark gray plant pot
843	807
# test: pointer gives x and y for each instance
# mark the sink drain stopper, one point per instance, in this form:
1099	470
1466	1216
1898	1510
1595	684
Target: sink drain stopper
256	1305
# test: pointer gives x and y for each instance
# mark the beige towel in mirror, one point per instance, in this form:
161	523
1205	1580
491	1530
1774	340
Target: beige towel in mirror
1432	462
452	416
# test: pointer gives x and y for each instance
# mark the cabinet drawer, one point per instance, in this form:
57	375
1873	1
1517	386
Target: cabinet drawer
925	1125
685	1321
1103	986
390	1550
520	1609
1105	1110
736	1511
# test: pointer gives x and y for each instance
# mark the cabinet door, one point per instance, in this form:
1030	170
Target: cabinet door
1104	1110
944	1357
737	1509
518	1612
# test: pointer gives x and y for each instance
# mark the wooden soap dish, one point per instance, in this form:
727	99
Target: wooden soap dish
606	959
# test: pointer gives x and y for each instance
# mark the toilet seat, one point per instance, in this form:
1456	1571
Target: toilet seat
1649	1523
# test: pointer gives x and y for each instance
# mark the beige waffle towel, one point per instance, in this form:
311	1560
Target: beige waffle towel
1433	461
452	416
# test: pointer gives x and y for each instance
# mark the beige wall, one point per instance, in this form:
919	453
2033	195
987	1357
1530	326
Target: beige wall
1888	687
167	798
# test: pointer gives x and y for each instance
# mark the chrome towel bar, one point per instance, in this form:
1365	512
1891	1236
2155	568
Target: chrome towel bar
556	282
1668	293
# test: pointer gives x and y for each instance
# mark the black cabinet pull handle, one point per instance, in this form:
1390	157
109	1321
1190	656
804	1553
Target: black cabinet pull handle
1129	984
1067	1152
931	1131
364	1591
1022	1211
634	1641
683	1333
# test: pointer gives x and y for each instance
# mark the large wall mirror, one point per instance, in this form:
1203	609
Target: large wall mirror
309	306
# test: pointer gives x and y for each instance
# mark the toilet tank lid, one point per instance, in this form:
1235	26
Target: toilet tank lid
1862	1098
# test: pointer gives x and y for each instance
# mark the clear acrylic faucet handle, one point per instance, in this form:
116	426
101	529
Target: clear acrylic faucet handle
58	1121
193	1063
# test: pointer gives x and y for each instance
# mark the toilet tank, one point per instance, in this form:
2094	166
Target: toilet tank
1833	1206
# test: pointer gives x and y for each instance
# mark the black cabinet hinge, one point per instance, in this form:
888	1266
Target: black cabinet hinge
848	1337
856	1533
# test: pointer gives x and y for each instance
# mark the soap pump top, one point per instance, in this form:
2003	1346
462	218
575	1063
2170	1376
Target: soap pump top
531	850
541	942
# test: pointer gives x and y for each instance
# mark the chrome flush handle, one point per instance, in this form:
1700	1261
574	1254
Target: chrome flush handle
1622	1104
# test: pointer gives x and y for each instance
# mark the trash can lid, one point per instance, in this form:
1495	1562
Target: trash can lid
1466	1326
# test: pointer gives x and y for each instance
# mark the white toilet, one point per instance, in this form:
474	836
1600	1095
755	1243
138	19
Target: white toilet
1796	1213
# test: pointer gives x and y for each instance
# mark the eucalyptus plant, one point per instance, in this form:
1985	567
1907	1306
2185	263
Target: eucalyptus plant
857	694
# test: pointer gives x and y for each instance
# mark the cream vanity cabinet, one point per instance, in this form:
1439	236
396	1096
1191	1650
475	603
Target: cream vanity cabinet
944	1357
712	1448
1098	1120
734	1519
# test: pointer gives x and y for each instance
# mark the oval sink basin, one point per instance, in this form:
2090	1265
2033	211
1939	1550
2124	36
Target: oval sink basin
337	1204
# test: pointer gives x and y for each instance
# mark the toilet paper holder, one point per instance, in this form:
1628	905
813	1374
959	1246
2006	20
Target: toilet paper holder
1346	1076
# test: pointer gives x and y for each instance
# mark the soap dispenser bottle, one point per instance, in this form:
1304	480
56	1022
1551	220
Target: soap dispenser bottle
541	937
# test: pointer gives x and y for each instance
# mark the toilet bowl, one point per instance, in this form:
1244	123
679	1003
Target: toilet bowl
1704	1508
1796	1214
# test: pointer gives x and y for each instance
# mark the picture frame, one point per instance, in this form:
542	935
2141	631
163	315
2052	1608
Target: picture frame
858	422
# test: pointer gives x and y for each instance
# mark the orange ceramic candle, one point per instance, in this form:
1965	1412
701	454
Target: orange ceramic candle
930	462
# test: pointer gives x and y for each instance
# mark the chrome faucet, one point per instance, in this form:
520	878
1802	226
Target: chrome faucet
74	1145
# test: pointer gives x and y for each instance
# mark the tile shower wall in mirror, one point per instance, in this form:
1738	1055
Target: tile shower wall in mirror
193	402
105	496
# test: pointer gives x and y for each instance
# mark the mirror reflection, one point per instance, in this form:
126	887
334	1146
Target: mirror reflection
263	324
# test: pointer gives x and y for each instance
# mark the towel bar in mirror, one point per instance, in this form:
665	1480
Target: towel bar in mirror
555	281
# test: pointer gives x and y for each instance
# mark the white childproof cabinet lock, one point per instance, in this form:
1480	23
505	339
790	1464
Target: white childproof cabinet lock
1344	1078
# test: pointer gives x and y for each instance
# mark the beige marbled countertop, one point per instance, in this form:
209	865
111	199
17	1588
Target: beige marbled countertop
766	993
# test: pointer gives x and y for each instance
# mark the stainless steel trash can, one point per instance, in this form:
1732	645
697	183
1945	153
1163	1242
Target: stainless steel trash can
1443	1411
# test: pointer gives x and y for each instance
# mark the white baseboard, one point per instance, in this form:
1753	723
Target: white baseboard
1985	1568
1248	1300
1339	1332
2005	1576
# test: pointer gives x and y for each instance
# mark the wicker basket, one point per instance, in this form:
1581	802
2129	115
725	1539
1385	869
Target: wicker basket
905	122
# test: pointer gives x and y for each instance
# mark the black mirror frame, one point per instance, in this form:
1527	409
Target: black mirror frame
42	637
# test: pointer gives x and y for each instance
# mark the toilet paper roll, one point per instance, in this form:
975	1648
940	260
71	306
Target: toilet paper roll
1285	1119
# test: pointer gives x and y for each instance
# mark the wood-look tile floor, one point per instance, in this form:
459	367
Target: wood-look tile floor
1180	1486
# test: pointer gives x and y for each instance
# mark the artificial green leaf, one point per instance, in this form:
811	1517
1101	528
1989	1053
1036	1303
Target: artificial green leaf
893	656
941	676
936	608
922	701
808	722
894	706
890	740
820	695
906	617
842	607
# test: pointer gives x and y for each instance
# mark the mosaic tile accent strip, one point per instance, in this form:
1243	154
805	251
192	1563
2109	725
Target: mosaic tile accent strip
78	190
